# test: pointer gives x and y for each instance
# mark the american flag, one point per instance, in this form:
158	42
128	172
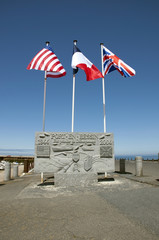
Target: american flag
46	60
111	62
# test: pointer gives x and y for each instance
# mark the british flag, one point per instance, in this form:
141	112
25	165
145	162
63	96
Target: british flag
46	60
111	62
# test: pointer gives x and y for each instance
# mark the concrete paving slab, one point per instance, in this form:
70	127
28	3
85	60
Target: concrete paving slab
115	210
75	216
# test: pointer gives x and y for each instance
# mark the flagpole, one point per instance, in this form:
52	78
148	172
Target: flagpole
44	102
103	85
45	79
73	96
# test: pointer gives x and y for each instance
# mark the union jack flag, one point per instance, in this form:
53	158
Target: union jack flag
46	60
111	62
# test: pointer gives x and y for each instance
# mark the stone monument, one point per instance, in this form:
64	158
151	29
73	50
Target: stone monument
70	154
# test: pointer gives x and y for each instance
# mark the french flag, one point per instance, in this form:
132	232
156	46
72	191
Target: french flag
80	61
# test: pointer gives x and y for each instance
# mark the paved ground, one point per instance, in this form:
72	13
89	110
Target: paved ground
121	209
150	172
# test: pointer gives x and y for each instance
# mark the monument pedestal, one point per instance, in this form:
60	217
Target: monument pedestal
75	179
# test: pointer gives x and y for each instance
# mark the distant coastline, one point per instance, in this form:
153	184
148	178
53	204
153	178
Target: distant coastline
30	152
17	152
132	157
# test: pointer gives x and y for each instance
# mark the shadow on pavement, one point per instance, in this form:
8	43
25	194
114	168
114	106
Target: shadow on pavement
46	184
106	180
122	172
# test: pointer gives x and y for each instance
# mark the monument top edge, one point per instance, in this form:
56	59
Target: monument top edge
40	132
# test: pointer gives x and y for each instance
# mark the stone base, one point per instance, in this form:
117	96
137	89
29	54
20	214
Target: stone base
73	179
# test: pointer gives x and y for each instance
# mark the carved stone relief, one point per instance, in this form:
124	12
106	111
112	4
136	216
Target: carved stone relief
74	152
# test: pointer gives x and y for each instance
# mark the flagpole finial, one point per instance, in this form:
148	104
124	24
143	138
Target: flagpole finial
75	41
47	43
101	43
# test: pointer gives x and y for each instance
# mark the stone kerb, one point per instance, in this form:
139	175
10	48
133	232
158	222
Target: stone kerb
76	153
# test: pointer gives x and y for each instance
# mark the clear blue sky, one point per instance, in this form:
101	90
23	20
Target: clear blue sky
127	28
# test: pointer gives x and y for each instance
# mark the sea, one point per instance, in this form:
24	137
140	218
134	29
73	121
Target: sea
132	157
30	152
16	152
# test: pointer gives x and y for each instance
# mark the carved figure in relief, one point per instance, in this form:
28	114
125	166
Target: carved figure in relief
75	161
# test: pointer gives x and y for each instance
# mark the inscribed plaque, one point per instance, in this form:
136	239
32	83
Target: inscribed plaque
43	151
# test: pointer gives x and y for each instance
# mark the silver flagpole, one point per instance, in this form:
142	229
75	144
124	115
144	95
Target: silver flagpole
103	88
47	43
73	96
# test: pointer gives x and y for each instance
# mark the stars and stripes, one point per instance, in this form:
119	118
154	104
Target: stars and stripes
46	60
111	62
